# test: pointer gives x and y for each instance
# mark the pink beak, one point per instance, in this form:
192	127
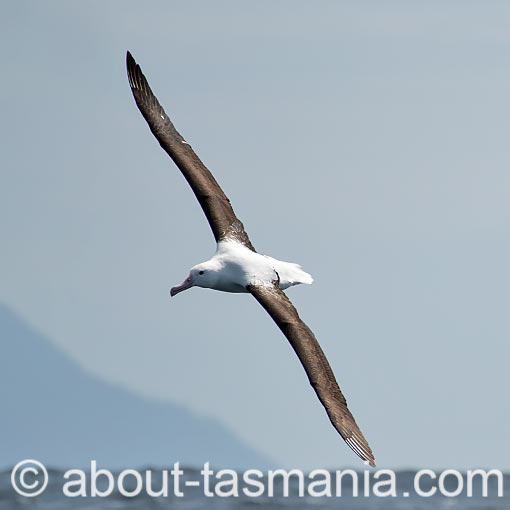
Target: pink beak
186	284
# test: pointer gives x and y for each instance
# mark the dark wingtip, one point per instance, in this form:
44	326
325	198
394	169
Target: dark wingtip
131	68
138	83
360	447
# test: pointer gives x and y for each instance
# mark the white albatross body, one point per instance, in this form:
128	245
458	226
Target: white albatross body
234	267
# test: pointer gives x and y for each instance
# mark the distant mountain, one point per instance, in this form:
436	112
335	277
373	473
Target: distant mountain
54	411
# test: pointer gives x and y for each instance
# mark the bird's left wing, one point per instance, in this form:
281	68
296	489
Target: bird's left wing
314	361
216	206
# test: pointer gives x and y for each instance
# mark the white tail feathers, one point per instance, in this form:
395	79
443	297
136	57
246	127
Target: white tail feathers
291	274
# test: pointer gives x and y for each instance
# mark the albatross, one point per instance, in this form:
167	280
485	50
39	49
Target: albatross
237	267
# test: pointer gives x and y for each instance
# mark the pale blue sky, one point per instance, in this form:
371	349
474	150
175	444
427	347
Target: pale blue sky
367	141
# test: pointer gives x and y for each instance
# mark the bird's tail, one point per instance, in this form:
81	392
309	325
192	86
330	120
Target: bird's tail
296	275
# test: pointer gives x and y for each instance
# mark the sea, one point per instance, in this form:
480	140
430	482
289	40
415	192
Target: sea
359	490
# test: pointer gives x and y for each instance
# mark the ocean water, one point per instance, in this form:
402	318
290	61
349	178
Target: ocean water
400	492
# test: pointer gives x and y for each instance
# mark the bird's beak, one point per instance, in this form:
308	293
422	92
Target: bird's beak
186	284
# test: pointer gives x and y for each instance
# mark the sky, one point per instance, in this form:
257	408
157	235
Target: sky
367	141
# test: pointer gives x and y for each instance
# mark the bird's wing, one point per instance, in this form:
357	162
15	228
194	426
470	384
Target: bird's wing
319	372
214	202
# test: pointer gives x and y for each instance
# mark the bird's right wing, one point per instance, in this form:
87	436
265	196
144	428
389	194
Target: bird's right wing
215	204
319	372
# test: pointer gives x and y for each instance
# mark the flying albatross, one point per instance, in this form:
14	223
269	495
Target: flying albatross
237	267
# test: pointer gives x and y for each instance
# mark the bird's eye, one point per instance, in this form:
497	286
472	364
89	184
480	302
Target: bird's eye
200	272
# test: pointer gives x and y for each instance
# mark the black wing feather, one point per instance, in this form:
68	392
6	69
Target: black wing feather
314	361
215	204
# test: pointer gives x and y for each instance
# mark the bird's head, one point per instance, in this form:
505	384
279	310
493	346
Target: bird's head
201	275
